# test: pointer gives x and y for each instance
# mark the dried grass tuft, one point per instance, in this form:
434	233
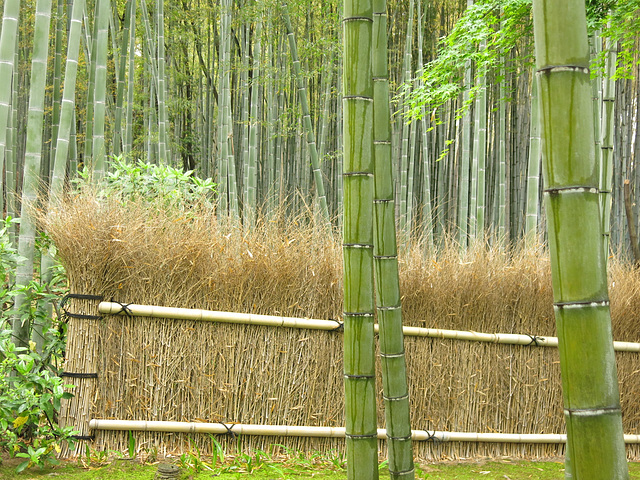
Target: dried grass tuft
156	369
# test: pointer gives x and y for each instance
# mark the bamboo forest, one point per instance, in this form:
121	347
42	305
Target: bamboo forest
249	94
416	183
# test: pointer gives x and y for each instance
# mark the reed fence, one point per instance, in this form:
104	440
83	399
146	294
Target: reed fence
163	369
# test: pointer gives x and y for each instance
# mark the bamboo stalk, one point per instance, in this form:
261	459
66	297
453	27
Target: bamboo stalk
331	432
111	308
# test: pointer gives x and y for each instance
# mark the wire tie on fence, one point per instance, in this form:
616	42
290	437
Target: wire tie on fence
534	340
230	432
83	437
79	375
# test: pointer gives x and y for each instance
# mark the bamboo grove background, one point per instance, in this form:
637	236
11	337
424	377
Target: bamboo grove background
213	86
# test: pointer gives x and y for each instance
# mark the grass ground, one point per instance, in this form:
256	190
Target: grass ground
122	469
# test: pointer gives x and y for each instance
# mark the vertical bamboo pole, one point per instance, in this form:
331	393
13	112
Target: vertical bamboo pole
607	128
502	152
463	202
57	93
8	40
427	222
481	116
131	74
385	258
251	202
122	68
306	121
163	148
359	357
99	109
533	170
31	178
578	266
405	128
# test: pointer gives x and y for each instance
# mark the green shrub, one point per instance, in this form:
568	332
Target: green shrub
30	388
171	187
30	395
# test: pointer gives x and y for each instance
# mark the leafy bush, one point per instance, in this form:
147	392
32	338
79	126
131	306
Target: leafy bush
170	186
30	396
30	388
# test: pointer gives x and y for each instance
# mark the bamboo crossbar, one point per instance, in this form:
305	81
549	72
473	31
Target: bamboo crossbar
111	308
326	432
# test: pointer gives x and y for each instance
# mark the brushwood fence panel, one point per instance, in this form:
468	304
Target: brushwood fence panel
186	370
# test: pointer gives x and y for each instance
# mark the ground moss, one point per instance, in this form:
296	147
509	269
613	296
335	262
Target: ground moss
118	470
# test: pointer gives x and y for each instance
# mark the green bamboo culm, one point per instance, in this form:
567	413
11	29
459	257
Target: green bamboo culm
8	38
385	259
99	110
32	161
578	265
359	356
56	185
533	171
306	120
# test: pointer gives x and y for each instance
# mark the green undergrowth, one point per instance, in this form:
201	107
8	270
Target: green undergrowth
300	467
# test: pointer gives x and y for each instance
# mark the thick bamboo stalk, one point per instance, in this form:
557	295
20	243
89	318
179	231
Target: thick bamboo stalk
57	91
385	258
578	264
533	171
99	109
128	134
8	40
163	147
122	67
359	355
331	432
31	180
110	308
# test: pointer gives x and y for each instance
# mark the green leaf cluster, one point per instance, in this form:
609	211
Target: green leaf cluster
491	29
164	185
499	25
30	388
30	396
621	28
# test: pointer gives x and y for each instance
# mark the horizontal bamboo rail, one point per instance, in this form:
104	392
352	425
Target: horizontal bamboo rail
327	432
112	308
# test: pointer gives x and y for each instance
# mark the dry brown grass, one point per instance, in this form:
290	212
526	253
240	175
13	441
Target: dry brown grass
157	369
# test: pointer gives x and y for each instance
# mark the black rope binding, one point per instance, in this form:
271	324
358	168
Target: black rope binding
124	308
84	437
78	296
432	438
79	375
229	431
534	340
339	328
